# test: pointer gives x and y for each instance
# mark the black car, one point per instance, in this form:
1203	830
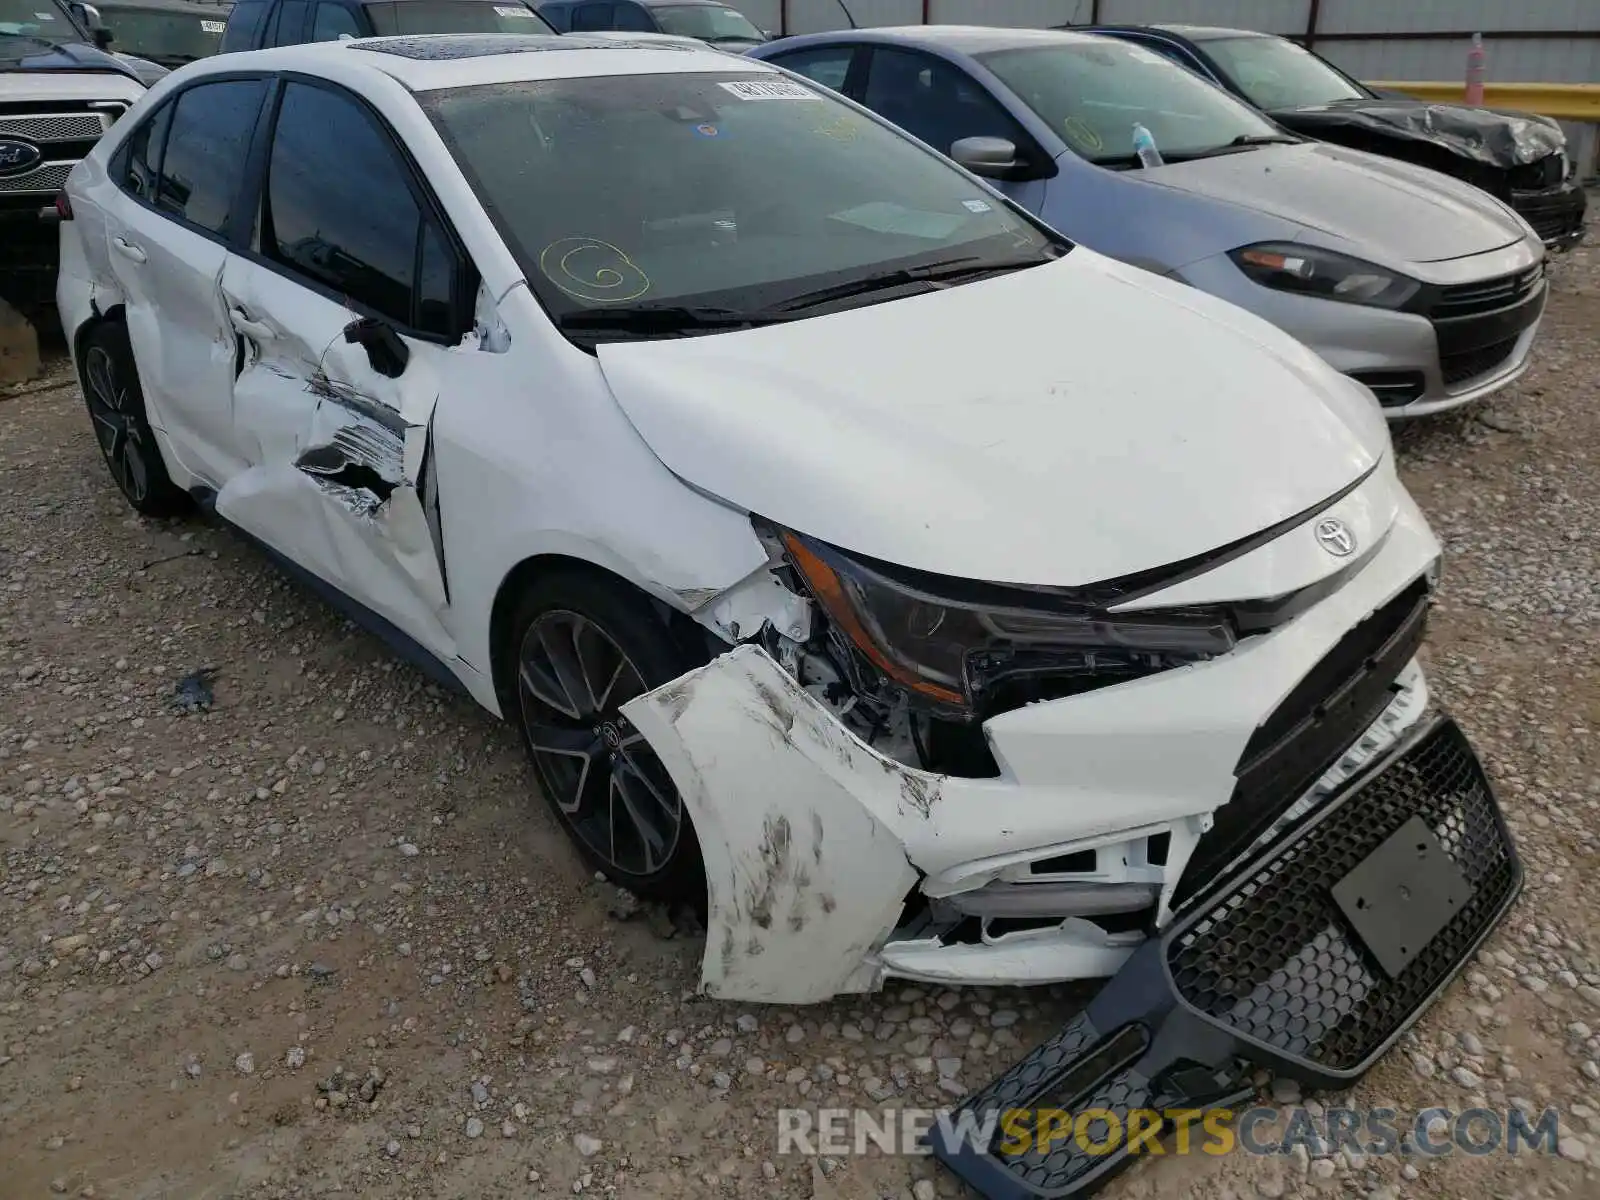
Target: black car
706	20
1518	157
254	24
169	32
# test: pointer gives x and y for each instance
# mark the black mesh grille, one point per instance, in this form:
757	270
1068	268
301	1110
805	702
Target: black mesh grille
1272	957
1305	735
1459	368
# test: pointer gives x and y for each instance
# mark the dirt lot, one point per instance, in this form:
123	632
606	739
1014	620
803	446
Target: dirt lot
323	938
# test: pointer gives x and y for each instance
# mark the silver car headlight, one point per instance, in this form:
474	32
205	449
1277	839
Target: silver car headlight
1290	267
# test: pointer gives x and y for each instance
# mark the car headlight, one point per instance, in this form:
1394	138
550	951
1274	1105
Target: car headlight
953	644
1288	267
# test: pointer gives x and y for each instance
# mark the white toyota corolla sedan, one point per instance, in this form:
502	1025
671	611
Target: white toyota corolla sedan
926	596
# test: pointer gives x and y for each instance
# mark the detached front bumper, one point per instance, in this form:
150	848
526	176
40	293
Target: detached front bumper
1310	960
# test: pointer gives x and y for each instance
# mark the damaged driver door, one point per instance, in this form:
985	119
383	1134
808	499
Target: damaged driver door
345	304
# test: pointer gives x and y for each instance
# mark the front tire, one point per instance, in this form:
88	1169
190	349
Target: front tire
580	647
110	383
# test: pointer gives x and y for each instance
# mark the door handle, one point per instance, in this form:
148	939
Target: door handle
259	330
128	250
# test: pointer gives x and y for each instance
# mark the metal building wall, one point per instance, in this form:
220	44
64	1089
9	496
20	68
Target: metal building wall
1345	28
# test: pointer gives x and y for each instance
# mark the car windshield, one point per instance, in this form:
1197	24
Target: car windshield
1276	73
25	26
708	22
455	16
163	36
762	195
1094	93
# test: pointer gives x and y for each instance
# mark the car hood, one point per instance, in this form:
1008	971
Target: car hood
1482	135
1391	212
1063	425
23	55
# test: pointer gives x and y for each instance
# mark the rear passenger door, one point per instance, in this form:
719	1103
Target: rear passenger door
349	292
178	188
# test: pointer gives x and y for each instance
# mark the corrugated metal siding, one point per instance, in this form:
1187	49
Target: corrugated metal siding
1535	61
1552	60
1361	16
1274	16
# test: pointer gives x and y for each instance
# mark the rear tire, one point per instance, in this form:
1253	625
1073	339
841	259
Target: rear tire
110	383
578	647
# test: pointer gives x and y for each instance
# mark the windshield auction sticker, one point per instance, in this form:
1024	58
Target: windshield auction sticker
768	89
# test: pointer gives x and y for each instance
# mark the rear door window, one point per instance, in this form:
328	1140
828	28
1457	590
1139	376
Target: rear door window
632	18
333	21
591	16
288	28
203	166
829	65
139	161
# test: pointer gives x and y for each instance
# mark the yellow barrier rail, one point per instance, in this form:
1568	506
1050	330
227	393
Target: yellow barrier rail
1563	101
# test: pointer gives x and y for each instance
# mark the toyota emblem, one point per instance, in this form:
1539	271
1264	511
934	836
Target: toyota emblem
1336	537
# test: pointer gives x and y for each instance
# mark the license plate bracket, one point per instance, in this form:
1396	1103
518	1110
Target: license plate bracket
1402	895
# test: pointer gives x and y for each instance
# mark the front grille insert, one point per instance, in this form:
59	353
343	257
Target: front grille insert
1274	959
1264	972
1487	295
55	126
1328	709
46	179
1468	365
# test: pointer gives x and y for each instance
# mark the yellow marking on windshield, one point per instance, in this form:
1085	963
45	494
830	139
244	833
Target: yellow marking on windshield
592	270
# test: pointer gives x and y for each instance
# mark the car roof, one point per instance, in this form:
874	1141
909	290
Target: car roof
1210	33
439	61
964	39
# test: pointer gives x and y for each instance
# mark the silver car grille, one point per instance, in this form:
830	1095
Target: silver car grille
42	128
46	178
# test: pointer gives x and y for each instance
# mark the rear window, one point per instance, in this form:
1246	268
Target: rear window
455	16
169	38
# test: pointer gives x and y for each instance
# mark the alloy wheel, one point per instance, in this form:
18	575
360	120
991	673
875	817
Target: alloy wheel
116	425
572	681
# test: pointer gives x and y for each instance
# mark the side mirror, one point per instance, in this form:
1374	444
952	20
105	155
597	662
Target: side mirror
387	353
991	157
102	38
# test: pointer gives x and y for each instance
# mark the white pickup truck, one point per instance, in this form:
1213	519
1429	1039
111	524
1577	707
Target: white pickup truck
59	92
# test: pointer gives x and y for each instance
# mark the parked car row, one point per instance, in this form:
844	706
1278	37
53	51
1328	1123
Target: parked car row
917	591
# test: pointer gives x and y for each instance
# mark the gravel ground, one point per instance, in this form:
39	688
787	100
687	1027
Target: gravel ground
323	938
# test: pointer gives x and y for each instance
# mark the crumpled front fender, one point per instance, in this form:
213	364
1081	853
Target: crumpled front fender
795	817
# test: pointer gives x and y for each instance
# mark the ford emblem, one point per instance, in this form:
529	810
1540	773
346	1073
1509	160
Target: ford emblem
17	156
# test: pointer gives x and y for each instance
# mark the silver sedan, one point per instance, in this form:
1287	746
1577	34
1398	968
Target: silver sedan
1423	287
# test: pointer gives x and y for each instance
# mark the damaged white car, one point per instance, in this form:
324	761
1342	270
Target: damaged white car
933	598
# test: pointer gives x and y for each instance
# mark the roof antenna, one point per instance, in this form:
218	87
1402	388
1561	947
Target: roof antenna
848	15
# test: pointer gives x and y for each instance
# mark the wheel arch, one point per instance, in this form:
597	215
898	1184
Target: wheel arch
674	615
